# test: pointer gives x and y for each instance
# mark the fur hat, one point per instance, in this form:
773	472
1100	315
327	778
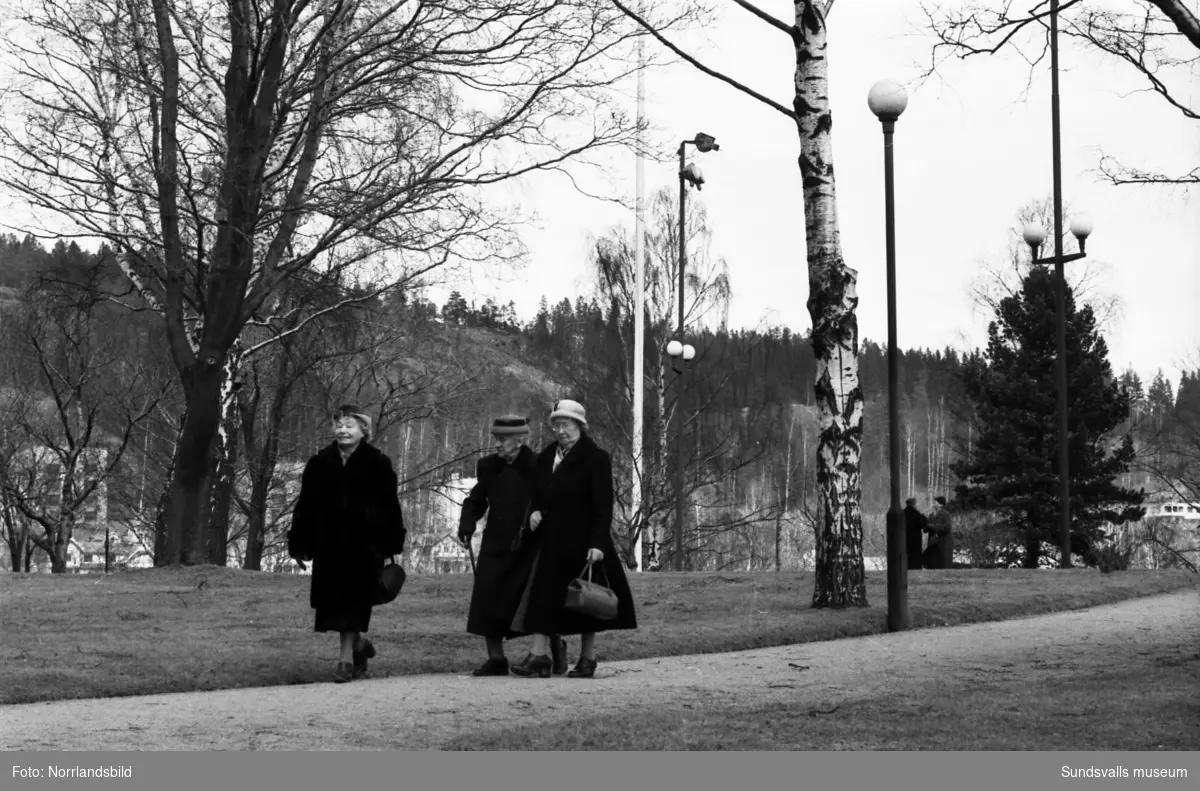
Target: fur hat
350	410
510	424
572	409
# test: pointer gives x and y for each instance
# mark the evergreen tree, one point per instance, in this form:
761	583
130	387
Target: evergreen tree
543	335
1013	387
1160	398
456	310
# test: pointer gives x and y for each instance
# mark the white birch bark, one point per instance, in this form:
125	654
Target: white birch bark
840	580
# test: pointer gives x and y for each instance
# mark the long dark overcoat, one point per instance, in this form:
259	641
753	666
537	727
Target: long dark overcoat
914	535
576	503
503	491
348	520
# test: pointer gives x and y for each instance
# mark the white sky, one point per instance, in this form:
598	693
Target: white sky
971	148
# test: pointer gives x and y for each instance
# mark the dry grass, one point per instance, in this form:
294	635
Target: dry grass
175	630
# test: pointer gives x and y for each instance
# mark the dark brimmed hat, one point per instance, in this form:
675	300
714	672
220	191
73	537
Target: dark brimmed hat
510	424
940	500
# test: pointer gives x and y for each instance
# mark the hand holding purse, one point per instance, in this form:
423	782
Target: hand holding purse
391	580
591	598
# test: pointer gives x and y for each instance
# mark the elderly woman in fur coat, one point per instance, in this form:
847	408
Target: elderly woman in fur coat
347	521
571	517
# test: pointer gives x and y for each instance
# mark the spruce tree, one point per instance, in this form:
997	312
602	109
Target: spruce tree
1013	467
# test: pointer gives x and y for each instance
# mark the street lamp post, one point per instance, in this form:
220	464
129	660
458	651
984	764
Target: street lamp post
1060	289
1034	236
687	174
887	101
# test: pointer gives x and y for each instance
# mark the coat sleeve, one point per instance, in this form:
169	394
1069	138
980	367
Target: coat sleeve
300	537
602	502
537	497
392	532
476	504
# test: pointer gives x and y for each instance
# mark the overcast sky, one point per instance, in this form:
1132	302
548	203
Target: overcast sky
972	147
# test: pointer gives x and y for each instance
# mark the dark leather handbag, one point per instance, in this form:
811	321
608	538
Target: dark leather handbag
391	580
591	598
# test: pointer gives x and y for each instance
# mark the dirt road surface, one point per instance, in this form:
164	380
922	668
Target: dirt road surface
425	712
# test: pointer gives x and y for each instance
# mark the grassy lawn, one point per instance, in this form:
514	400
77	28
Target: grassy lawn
1137	710
175	630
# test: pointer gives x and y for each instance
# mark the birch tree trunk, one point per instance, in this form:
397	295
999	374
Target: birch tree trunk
840	580
223	465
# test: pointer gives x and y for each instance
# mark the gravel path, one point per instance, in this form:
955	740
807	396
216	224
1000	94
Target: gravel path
425	712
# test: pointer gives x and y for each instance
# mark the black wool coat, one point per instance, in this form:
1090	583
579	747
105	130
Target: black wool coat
348	521
503	492
914	535
576	503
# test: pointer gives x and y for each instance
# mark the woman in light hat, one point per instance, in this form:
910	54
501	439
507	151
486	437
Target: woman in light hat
572	524
347	521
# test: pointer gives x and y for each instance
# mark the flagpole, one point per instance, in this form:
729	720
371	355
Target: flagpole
639	326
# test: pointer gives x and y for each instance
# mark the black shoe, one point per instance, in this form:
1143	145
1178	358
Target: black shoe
558	654
585	668
534	665
344	673
361	657
492	667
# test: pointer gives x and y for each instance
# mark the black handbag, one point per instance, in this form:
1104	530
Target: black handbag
591	598
391	580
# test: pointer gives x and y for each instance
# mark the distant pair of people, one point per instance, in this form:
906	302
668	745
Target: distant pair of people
939	551
549	515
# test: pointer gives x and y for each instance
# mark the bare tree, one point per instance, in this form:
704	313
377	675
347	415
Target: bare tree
77	393
222	150
706	305
832	302
1158	40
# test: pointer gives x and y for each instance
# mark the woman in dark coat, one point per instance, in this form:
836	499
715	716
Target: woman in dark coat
347	521
503	490
572	524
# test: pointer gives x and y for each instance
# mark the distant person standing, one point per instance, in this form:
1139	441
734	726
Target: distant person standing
503	489
347	521
914	532
941	539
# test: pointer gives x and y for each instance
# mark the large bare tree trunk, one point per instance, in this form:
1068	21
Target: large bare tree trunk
840	580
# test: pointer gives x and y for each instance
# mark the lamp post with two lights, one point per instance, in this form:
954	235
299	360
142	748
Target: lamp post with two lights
688	174
1034	235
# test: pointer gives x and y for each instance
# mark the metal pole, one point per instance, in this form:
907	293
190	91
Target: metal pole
639	326
897	555
1064	481
106	549
683	367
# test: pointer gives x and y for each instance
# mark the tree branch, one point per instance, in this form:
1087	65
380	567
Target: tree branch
791	30
1185	21
663	40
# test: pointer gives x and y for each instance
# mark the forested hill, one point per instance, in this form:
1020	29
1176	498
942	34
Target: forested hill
434	376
